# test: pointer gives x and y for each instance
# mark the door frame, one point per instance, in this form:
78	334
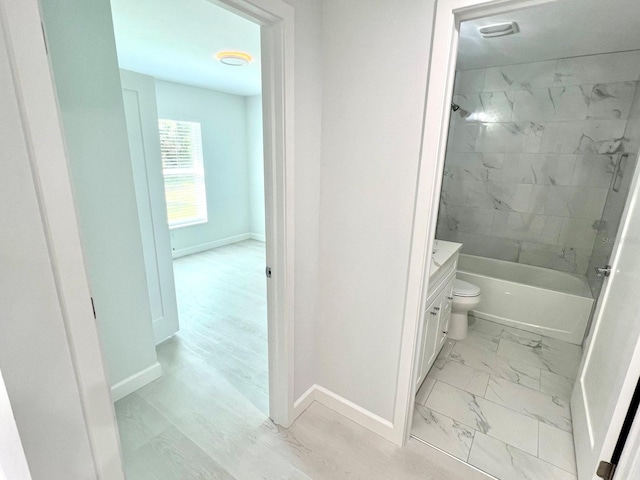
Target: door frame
44	136
449	14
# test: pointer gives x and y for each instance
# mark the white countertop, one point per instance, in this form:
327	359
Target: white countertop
443	252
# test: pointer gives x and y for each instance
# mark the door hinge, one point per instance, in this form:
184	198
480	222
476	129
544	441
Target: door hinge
267	272
93	307
606	470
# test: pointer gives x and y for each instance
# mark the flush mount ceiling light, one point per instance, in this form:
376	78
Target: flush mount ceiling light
499	30
235	59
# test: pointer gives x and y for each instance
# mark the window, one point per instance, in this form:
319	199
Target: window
183	170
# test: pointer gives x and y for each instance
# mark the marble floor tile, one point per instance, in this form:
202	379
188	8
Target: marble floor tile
508	463
539	358
478	340
458	375
563	349
556	385
485	416
556	447
487	328
499	366
425	390
443	432
545	408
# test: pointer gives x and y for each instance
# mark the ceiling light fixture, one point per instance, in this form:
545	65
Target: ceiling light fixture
499	30
234	59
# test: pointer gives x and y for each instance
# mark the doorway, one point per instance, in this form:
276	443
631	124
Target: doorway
528	186
88	129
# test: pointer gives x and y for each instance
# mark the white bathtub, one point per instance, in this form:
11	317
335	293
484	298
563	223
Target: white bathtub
540	300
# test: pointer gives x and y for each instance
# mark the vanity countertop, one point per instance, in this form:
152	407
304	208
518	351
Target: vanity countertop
443	252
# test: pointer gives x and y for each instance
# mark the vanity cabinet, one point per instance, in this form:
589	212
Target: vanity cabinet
436	315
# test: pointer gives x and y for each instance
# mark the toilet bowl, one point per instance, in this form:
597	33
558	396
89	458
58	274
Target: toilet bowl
466	296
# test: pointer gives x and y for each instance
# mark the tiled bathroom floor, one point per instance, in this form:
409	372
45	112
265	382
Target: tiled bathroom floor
499	400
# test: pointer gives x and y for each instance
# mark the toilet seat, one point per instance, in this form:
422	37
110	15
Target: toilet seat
465	289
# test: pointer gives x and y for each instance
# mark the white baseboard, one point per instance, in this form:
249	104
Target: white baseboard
346	408
209	245
258	237
135	381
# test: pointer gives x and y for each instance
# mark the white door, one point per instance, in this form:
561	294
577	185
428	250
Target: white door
141	113
611	365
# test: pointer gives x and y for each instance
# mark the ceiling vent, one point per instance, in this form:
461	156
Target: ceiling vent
499	30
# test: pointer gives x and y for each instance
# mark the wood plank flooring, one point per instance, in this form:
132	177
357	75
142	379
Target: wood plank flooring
205	418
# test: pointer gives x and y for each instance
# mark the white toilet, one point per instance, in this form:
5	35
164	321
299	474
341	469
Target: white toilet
466	296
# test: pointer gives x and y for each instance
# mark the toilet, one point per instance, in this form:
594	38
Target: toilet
466	296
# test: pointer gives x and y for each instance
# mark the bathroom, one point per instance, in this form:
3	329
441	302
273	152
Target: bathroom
543	140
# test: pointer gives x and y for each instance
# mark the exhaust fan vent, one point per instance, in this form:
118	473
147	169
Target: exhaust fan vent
499	30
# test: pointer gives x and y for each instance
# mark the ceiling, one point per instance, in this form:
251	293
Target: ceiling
177	40
560	29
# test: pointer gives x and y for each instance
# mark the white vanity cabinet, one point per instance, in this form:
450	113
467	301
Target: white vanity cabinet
439	300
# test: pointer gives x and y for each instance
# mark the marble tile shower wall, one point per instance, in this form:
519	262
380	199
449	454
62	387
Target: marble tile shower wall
531	155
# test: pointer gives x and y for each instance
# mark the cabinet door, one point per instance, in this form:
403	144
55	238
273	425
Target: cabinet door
431	337
445	314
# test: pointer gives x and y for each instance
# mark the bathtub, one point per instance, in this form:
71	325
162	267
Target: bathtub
539	300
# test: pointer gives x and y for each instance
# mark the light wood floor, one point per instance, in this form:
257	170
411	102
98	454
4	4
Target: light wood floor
205	418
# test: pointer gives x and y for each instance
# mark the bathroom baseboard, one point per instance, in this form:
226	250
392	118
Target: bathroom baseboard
346	408
135	381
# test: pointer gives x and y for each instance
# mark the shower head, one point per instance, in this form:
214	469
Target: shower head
455	107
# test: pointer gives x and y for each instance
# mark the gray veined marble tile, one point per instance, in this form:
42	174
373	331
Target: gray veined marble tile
561	348
556	385
563	201
557	257
552	104
485	342
462	137
578	233
473	166
538	169
544	408
454	192
529	227
556	447
538	357
524	137
520	77
508	463
589	136
469	81
594	170
487	417
496	106
499	332
602	136
512	197
466	219
458	375
612	100
443	432
487	246
592	69
500	366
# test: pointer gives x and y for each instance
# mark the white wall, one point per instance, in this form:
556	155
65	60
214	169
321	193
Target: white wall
375	59
255	163
34	354
307	124
224	146
83	57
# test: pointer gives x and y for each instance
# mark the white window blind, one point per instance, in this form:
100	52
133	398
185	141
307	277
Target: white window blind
183	169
